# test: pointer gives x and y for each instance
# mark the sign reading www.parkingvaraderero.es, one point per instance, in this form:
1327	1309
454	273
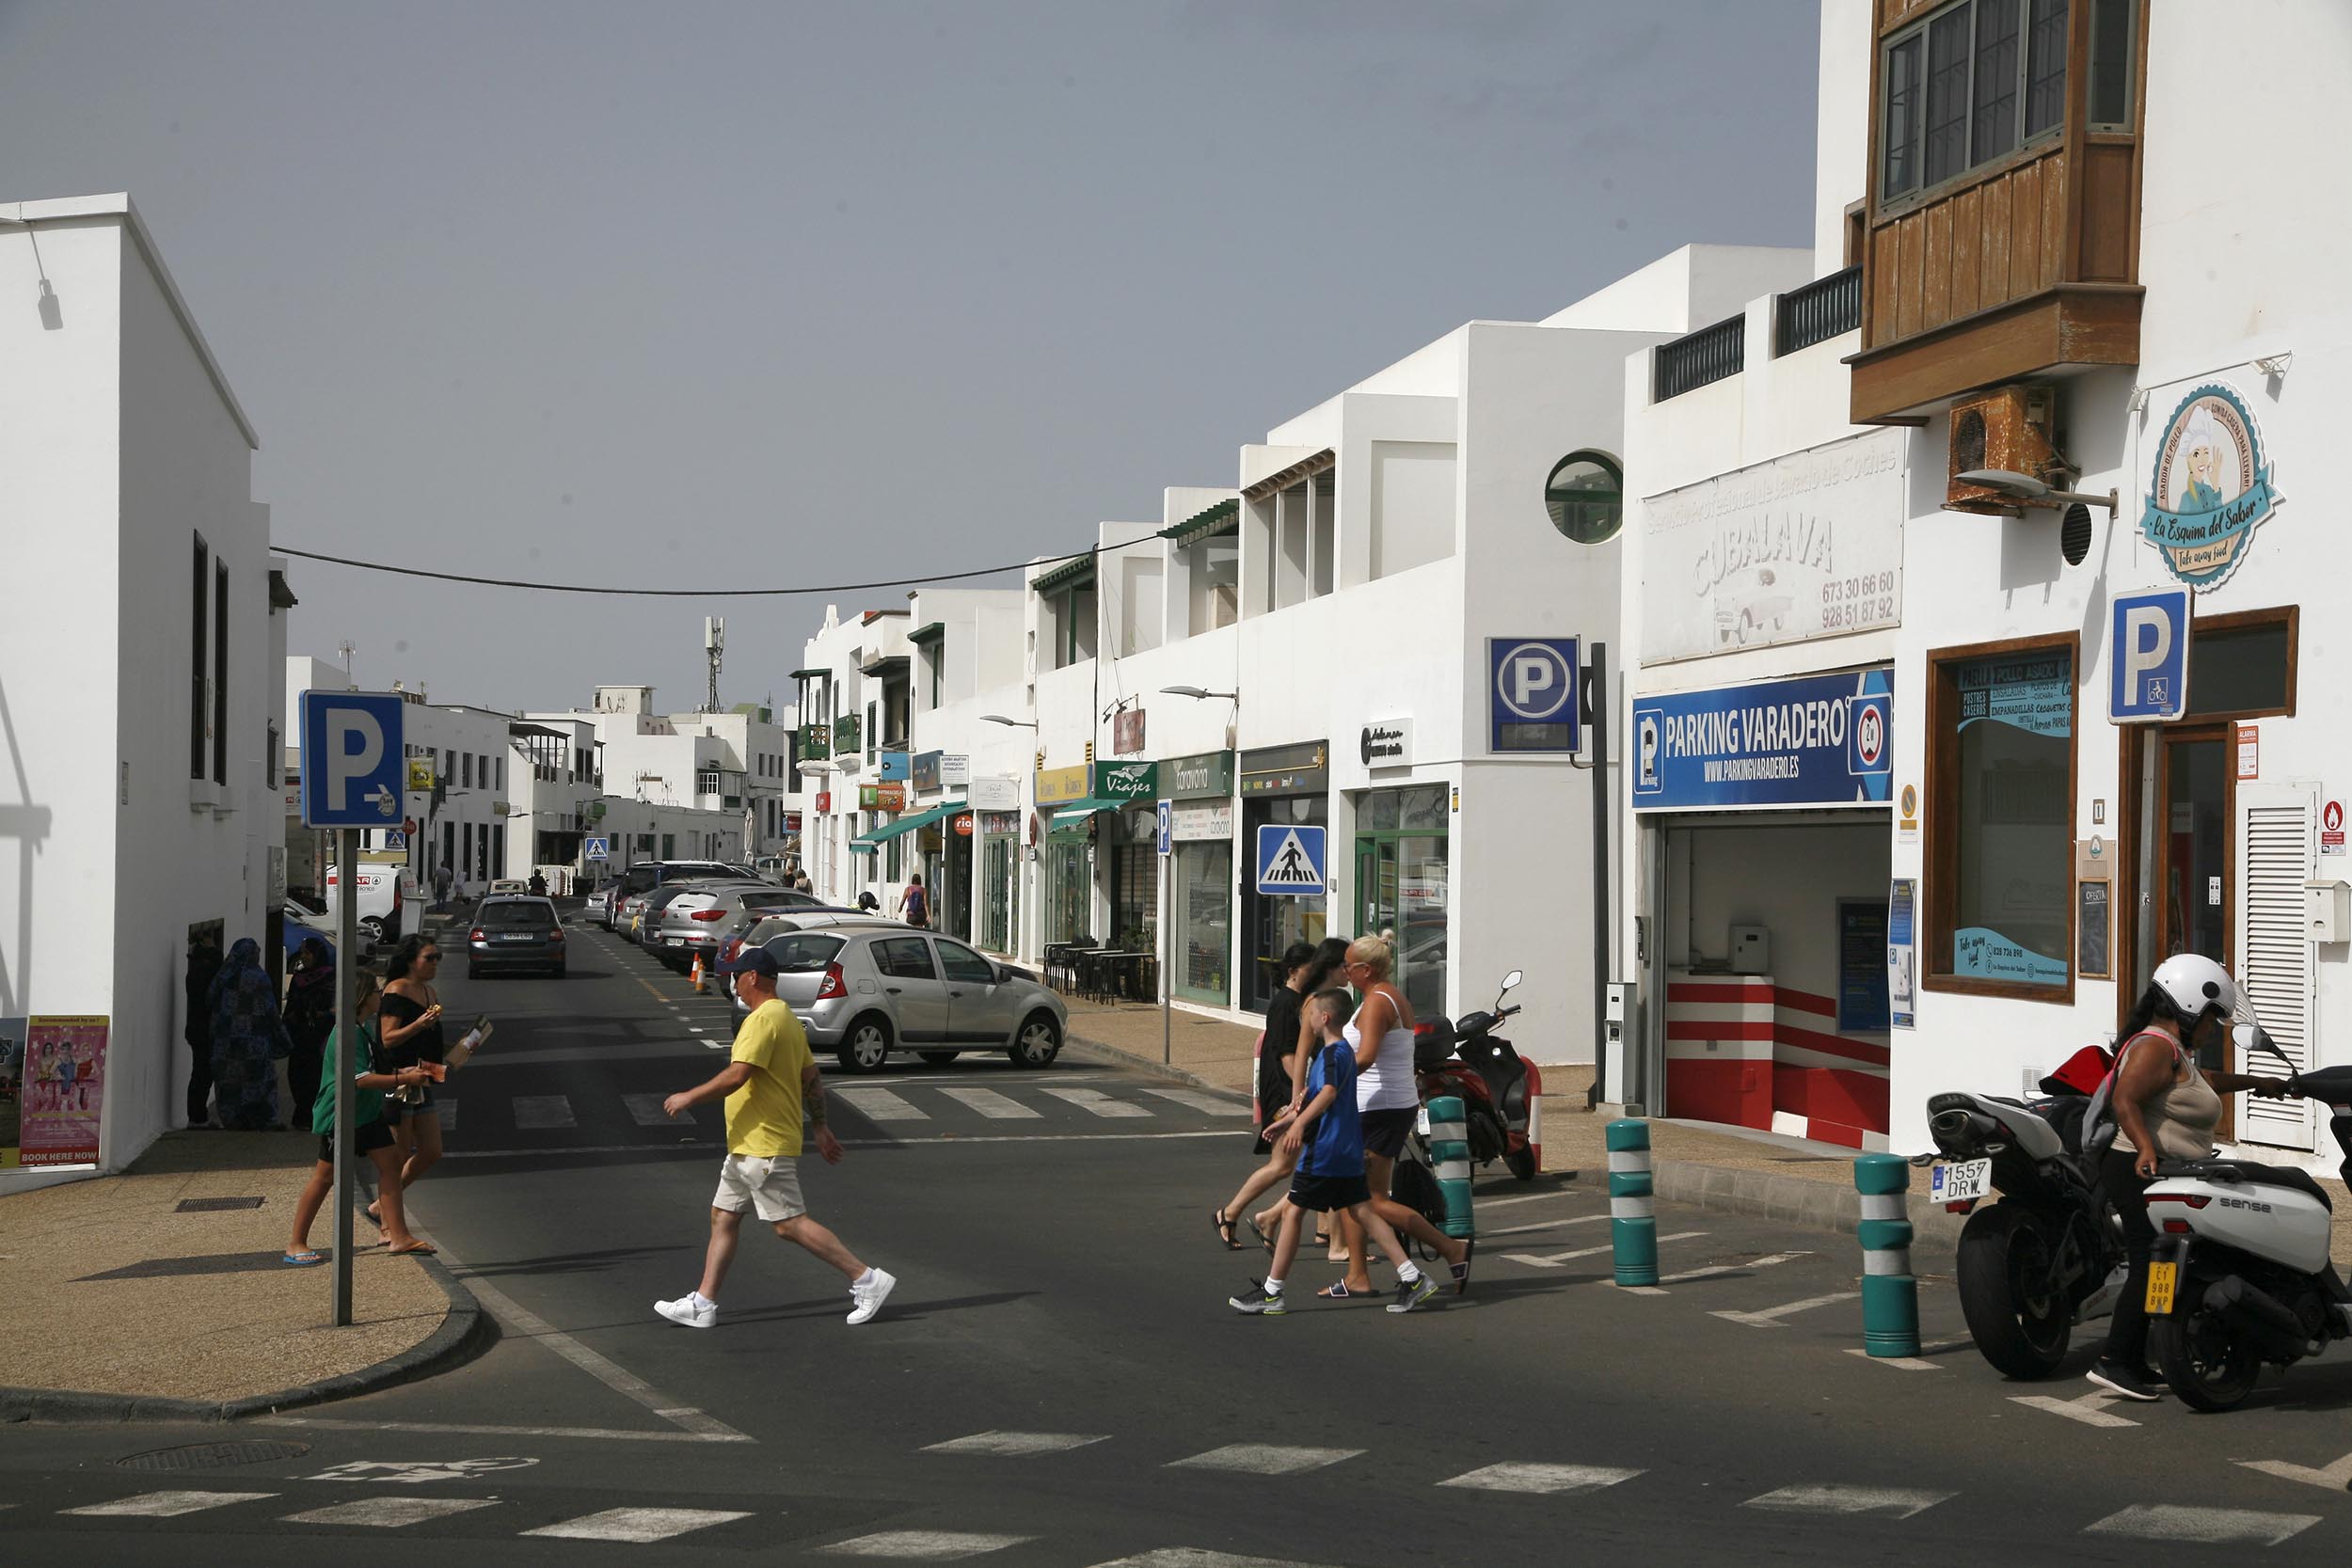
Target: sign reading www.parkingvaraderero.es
1809	545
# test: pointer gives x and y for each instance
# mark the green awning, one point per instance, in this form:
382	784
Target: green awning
807	674
1209	520
888	831
1071	817
931	631
1075	573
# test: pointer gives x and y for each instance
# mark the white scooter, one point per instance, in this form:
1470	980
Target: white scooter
2240	1275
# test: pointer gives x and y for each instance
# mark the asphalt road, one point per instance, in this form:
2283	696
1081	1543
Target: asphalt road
1057	1380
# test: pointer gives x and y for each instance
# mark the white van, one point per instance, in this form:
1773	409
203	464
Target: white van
380	901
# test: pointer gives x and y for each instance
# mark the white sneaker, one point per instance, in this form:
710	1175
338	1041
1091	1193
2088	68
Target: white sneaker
870	1298
692	1311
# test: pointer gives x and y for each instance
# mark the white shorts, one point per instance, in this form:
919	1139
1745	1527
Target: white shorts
769	1188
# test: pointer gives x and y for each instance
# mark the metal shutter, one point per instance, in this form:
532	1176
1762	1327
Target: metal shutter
2274	852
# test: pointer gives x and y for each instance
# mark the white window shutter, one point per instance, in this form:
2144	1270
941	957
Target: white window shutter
2275	843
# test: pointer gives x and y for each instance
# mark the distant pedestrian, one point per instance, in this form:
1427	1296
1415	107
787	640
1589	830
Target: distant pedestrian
802	884
309	1019
915	904
538	884
410	1035
371	1139
440	885
771	1085
248	1039
1326	1138
1281	1073
203	964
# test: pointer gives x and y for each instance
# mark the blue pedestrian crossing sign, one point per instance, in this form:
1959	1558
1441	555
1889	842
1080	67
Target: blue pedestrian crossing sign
396	839
354	767
1290	860
595	848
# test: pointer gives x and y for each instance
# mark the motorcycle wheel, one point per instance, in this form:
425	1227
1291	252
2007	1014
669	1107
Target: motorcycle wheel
2017	1315
2208	1363
1520	1161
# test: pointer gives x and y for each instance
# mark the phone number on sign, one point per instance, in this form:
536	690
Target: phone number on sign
1858	601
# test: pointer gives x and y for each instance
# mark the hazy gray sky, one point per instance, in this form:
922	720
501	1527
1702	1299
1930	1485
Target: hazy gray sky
689	294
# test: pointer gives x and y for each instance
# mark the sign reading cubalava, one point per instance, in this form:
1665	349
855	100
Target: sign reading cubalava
2211	487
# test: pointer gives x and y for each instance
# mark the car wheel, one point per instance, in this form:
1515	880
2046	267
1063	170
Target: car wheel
867	1046
473	972
374	925
937	1058
1039	1042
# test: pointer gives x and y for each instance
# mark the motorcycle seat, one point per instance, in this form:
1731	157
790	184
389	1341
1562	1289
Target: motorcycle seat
2253	1173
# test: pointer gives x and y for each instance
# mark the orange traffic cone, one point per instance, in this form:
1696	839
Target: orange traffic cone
698	972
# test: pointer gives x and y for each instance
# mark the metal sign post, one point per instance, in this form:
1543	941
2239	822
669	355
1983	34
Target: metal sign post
1167	950
346	1054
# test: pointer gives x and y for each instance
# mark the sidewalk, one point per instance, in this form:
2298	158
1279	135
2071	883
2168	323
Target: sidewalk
115	1303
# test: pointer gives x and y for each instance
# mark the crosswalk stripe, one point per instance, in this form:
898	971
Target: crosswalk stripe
996	1107
1216	1106
1197	1557
638	1525
645	1109
1554	1479
1543	1225
2090	1409
1017	1445
1709	1272
2208	1526
1770	1317
882	1104
1557	1260
543	1111
166	1505
925	1546
1265	1459
390	1512
1095	1100
1835	1498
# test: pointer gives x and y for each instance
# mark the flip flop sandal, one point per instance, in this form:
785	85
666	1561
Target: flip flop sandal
413	1250
1462	1269
1338	1290
1224	1230
303	1260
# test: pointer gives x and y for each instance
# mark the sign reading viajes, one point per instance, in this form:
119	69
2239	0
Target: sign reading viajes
2211	488
1809	545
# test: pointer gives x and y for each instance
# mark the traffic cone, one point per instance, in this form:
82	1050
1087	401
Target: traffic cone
698	972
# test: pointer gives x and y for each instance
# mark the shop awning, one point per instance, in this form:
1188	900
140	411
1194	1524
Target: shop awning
875	837
1071	818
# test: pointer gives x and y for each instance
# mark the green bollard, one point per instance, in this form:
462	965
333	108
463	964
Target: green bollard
1890	1296
1633	1221
1449	1152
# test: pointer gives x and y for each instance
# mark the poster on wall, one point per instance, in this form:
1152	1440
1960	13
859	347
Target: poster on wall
1862	967
11	1087
1901	918
64	1089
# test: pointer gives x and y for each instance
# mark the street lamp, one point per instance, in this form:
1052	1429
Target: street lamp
1198	694
1009	724
2026	490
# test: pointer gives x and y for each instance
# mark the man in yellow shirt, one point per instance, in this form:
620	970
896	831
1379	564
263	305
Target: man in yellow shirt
770	1084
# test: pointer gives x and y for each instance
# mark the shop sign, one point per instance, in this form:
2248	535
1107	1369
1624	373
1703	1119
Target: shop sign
1304	769
1126	781
924	771
792	822
962	824
882	796
2211	488
845	734
955	769
824	800
1205	775
61	1088
816	743
1202	822
1805	545
1385	743
1127	732
1000	824
1817	740
1903	906
992	795
893	766
1058	785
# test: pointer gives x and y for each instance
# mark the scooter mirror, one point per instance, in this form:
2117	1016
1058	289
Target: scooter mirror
1510	981
2250	1039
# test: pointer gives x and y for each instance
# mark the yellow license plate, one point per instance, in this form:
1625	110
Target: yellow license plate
2164	1280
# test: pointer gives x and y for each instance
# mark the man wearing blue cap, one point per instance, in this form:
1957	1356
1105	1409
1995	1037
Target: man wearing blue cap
768	1084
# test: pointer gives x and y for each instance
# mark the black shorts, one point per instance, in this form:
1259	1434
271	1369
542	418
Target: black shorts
1385	1132
365	1140
1321	1195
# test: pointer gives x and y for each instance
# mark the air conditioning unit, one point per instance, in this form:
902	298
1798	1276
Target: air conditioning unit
2012	427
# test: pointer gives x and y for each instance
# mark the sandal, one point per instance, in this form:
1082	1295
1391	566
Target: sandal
1224	1230
304	1258
1338	1290
1461	1270
412	1250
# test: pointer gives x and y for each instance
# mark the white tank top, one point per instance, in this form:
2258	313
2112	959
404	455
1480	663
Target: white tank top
1388	1084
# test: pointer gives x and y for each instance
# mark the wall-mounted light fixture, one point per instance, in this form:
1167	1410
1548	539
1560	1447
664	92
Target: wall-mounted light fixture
2026	490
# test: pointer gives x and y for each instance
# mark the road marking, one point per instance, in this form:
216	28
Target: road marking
1770	1317
2090	1409
612	1434
882	1105
166	1505
996	1106
390	1512
1195	1557
419	1472
542	1112
1892	1502
1550	1479
659	995
1911	1363
1546	1225
646	1109
2335	1477
1017	1445
1709	1272
925	1546
1265	1459
1096	1101
638	1524
1216	1106
2207	1527
943	1140
1557	1260
1528	1197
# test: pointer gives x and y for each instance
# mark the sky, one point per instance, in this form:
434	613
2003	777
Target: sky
692	294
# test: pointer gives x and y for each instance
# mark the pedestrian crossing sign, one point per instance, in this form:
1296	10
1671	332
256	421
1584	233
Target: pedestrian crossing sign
396	839
1291	861
595	849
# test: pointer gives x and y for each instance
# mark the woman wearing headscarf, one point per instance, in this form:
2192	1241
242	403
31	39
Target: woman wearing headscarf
309	1018
247	1039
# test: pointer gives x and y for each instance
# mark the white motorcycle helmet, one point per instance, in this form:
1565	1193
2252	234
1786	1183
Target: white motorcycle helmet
2195	985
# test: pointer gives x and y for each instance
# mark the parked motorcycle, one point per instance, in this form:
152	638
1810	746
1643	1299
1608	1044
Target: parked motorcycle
2047	1256
1497	1090
2240	1275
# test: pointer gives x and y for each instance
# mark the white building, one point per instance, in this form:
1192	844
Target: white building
855	753
140	657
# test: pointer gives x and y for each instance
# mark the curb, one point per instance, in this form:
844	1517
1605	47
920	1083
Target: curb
1793	1200
464	1334
1113	1055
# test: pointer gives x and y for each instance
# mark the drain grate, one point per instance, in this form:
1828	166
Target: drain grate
209	1456
216	1205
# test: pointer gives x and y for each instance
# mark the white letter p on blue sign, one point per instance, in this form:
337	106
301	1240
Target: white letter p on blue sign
354	748
2150	656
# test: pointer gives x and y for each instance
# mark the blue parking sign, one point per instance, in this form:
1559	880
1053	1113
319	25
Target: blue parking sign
352	765
1532	696
1168	825
2148	657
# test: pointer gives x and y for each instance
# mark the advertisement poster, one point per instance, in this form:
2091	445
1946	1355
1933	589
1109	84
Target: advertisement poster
11	1087
1902	904
64	1089
1862	968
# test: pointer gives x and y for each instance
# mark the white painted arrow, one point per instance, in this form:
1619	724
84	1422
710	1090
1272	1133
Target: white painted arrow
2336	1476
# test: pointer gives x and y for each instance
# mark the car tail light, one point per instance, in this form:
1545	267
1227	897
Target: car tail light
834	985
556	936
2195	1201
1965	1206
2176	1227
474	935
708	914
728	949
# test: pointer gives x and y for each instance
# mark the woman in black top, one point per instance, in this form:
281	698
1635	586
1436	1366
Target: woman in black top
1281	1063
410	1029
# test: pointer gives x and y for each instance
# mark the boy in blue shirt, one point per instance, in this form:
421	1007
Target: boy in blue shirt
1328	1140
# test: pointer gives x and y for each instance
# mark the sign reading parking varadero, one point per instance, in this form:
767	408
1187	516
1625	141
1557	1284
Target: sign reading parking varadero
354	766
1817	740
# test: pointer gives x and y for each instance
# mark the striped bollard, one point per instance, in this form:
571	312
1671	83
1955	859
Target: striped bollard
1632	1222
1449	1151
1890	1296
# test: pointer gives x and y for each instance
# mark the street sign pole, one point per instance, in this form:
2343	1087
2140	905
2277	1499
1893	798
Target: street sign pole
346	1055
1603	798
1167	950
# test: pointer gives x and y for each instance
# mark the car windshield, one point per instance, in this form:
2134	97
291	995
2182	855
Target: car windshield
805	952
520	913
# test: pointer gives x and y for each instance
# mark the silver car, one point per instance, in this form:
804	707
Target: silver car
696	921
867	991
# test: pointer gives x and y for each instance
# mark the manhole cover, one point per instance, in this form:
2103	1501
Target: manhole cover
215	1205
208	1456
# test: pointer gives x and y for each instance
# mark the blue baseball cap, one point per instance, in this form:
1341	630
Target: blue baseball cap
752	960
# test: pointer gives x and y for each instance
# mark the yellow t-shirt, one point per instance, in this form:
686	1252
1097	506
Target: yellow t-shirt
764	1115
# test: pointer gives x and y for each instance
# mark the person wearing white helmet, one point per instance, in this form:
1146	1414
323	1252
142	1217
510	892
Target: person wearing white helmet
2166	1108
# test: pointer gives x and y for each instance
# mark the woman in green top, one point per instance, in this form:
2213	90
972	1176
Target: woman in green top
369	1135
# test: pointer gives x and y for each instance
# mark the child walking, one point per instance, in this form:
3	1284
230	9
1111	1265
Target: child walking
370	1136
1328	1140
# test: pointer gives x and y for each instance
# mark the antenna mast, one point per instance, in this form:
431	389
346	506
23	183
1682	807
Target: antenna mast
714	649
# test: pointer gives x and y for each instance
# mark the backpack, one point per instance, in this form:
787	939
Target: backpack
2098	1124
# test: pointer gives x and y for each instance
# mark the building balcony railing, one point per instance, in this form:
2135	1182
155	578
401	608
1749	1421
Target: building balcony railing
1824	308
1696	359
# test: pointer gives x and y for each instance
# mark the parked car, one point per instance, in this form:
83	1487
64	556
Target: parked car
599	906
515	932
380	901
506	886
646	930
867	991
693	923
755	926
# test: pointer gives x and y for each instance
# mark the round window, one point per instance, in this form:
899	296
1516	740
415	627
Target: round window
1585	495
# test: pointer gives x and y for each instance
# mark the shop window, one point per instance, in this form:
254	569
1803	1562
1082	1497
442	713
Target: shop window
2000	817
2243	666
1585	497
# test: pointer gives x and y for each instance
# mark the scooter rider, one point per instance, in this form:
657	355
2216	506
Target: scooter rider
2165	1108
